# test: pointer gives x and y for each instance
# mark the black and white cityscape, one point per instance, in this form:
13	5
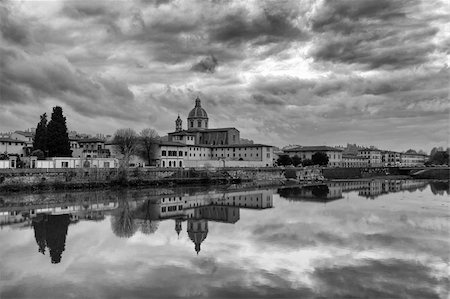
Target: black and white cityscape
224	149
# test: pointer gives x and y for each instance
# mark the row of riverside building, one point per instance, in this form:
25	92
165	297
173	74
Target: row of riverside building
196	146
365	157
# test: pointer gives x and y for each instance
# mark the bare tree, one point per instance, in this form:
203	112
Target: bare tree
148	144
126	142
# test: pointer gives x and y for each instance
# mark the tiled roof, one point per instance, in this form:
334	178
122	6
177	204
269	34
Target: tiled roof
240	145
26	134
90	140
320	148
11	140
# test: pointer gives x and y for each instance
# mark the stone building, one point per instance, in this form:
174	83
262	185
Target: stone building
199	132
201	146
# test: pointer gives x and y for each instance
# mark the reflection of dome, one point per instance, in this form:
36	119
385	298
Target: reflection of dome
178	227
197	232
198	111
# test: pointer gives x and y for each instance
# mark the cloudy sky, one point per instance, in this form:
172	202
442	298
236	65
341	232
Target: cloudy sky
282	72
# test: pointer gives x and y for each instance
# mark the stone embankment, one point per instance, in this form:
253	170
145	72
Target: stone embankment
13	180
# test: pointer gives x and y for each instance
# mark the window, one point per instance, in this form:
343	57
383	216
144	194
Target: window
192	123
180	153
106	165
65	164
199	123
163	153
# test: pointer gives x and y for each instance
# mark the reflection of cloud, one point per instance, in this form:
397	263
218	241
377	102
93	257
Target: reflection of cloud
379	279
350	247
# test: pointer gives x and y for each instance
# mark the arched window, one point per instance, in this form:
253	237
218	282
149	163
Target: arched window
192	123
199	123
181	164
164	164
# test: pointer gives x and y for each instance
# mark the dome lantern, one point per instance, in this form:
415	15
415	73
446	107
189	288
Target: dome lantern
197	118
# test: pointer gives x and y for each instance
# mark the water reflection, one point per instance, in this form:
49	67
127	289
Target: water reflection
293	242
193	211
50	231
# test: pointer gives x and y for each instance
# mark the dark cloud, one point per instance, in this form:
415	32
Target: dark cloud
261	99
28	78
338	16
268	27
378	279
206	65
11	29
86	9
376	34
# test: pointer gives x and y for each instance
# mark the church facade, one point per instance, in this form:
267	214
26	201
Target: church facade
201	146
199	132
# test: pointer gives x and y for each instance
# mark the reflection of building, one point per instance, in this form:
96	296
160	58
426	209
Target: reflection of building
334	190
197	231
319	193
198	209
375	188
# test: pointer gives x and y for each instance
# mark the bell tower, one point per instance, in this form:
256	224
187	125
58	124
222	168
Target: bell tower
178	124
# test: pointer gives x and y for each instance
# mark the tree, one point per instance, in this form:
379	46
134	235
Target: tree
122	221
439	158
320	158
125	142
40	138
284	160
307	162
58	139
148	144
38	153
296	160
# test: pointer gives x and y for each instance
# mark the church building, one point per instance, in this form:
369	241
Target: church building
198	131
200	146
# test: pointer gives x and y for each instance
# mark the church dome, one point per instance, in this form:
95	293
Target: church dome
197	232
198	111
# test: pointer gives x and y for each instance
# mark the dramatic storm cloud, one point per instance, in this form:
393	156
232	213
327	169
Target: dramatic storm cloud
285	72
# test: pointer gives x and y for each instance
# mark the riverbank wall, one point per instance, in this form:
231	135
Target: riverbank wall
14	180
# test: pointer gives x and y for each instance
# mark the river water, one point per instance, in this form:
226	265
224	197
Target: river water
352	239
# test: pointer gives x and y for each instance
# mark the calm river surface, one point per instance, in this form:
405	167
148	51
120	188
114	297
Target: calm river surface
371	239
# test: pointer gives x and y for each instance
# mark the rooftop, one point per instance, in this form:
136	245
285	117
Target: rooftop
89	140
11	140
26	134
319	148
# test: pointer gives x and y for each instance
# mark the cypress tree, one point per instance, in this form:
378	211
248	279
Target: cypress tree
40	138
58	139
